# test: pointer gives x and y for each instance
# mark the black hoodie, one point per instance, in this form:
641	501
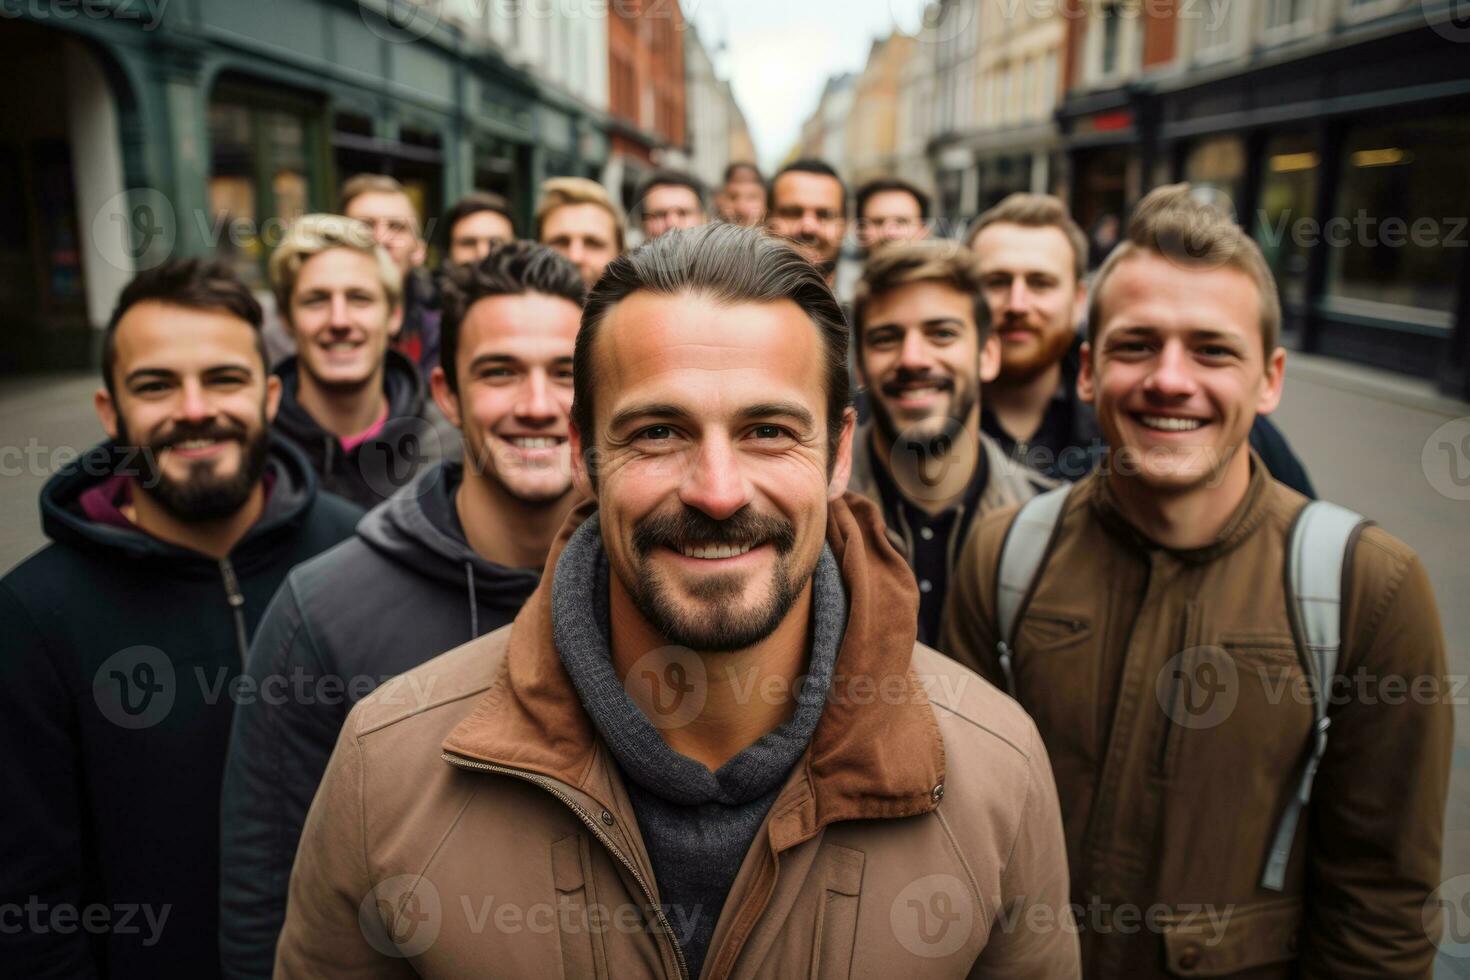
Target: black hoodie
405	590
377	468
118	653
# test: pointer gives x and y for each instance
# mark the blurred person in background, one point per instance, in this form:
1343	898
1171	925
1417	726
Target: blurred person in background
384	205
577	218
477	223
125	636
671	199
350	402
890	210
742	196
452	556
809	207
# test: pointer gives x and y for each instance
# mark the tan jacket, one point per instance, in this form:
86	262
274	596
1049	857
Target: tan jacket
471	805
1173	811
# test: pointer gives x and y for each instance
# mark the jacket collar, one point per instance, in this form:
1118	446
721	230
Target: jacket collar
1243	522
872	756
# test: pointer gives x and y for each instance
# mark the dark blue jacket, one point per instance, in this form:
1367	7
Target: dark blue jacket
116	663
405	589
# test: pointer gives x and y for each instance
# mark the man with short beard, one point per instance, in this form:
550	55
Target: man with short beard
124	636
809	207
452	556
660	764
924	350
348	401
1033	257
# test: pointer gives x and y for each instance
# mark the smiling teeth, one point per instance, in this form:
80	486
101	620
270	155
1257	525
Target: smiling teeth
1170	424
715	551
341	345
911	392
194	444
543	442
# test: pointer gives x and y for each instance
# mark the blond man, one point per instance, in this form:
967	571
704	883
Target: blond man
577	218
1242	692
351	403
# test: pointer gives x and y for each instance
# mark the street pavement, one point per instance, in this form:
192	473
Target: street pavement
1382	445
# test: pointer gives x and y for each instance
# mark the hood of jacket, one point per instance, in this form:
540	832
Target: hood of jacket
401	383
293	490
413	528
869	758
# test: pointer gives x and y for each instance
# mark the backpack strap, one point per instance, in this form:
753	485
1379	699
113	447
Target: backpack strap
1316	561
1026	544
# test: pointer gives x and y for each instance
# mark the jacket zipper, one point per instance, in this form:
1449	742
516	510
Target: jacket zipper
237	606
607	842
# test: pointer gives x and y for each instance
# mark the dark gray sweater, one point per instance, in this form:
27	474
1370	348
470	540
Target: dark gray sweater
697	824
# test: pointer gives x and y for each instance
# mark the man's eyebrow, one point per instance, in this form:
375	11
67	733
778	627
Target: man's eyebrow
663	410
491	359
766	410
161	374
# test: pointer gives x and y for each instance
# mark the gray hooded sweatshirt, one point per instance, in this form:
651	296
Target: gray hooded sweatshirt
404	590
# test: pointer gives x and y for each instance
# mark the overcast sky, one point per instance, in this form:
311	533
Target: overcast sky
779	53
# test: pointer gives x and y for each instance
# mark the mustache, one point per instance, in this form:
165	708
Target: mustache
905	377
692	527
182	432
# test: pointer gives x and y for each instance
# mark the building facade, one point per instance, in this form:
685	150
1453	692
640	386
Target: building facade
717	130
646	93
874	132
1337	130
204	128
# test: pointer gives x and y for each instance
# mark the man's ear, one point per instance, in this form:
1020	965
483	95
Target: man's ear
106	412
1079	305
842	466
419	254
1085	380
990	358
446	399
582	477
395	319
272	397
1273	383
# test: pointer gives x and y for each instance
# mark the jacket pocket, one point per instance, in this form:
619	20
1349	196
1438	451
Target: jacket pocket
582	953
836	931
1254	935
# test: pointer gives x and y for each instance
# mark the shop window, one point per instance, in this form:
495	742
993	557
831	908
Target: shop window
1399	232
1287	16
264	173
1217	165
1287	211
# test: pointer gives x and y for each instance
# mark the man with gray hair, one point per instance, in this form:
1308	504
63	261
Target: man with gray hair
349	402
709	744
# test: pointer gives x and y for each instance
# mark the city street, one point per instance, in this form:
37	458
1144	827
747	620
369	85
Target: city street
1361	433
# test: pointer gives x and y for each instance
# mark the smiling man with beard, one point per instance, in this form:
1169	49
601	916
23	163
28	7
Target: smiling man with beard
348	401
452	556
123	636
924	351
709	744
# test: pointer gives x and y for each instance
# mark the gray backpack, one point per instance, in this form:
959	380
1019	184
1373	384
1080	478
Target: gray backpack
1317	556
